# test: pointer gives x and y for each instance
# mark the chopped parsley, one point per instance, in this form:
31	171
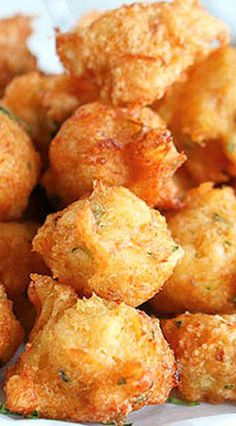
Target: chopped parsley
4	410
218	218
228	387
122	381
63	376
231	147
178	401
175	248
16	118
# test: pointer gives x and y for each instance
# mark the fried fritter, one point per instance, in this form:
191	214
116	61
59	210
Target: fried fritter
19	167
205	278
201	113
136	52
112	244
15	58
125	147
89	360
11	332
45	101
205	350
17	260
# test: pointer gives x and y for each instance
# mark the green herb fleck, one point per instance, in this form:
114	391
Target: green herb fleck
149	253
208	287
229	386
175	248
16	118
218	218
231	147
153	334
178	401
122	381
228	243
4	410
63	376
234	299
178	323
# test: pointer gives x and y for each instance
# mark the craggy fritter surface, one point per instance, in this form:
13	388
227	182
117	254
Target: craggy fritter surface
112	244
128	147
136	52
15	58
89	360
11	332
45	101
205	278
17	260
19	167
201	113
205	350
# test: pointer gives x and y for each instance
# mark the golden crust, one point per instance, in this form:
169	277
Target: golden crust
204	280
17	260
112	244
201	113
205	349
131	147
45	101
11	332
113	360
15	58
136	52
19	167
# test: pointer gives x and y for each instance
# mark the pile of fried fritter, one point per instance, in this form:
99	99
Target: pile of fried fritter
118	207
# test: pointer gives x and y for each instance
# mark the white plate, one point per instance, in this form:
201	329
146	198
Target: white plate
42	44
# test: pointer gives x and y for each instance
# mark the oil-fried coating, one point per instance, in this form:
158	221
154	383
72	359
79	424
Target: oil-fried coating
17	261
19	167
112	244
45	101
15	58
205	278
11	332
79	364
201	113
135	52
205	350
125	147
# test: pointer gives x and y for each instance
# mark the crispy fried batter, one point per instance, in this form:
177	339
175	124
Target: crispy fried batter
89	360
205	349
135	52
205	278
15	58
201	113
111	243
11	332
132	148
19	167
17	260
45	101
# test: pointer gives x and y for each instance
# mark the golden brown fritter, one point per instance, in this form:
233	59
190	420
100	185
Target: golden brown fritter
205	278
205	350
136	52
124	147
17	260
11	332
201	113
19	167
15	58
112	244
45	101
89	360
